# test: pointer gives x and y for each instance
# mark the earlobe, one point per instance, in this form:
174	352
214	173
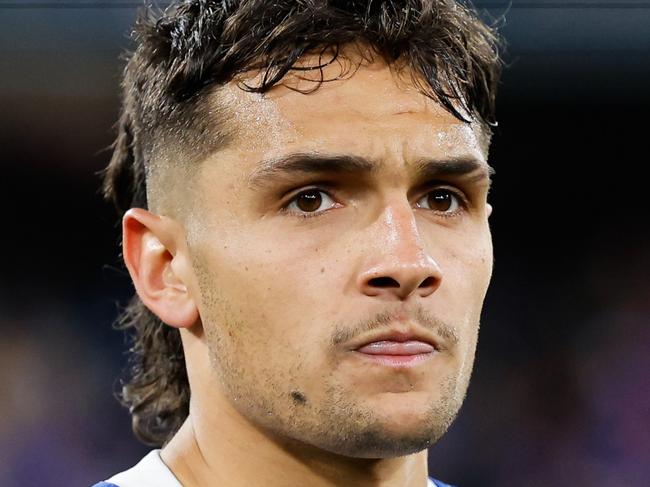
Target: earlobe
156	258
488	209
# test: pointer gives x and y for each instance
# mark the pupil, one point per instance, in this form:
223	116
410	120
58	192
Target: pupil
309	201
440	200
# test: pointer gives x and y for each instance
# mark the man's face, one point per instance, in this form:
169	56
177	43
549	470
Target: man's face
342	253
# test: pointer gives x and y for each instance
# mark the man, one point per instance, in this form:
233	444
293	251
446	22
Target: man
304	196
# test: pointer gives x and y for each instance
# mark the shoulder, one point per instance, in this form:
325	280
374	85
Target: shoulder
437	483
151	471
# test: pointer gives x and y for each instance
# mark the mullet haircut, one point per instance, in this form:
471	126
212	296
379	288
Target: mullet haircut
192	48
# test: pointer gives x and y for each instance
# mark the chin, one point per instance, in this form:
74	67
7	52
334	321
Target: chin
387	443
412	411
395	427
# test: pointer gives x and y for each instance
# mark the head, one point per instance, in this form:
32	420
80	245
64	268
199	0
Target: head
315	175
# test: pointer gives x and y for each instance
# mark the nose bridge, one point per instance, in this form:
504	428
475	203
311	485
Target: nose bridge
399	263
401	234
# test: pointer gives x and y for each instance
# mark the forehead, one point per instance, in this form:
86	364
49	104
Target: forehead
372	112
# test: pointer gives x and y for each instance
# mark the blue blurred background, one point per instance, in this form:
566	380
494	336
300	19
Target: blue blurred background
560	395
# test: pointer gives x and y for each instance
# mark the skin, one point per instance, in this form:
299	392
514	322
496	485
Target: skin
271	304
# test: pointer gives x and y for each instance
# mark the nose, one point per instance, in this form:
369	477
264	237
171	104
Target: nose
401	266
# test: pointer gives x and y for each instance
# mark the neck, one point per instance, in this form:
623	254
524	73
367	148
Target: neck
227	450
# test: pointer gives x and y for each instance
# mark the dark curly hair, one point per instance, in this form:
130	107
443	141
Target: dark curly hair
191	48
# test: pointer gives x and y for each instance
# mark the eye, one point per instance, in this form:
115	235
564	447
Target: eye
311	201
441	200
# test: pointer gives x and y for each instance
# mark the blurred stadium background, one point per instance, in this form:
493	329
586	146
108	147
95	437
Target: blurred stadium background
561	394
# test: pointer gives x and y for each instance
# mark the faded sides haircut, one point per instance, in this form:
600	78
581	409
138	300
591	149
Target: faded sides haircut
170	103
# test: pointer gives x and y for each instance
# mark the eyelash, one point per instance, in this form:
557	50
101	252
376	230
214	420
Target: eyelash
285	207
462	202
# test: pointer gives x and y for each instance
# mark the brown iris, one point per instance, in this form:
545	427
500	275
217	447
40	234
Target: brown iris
440	200
309	201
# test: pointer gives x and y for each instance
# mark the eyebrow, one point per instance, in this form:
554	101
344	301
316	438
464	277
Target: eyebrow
305	162
471	168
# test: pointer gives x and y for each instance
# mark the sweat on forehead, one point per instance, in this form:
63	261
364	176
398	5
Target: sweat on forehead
341	89
261	122
191	49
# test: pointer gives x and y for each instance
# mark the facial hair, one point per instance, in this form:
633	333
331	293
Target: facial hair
321	410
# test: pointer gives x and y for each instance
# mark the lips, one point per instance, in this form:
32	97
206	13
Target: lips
400	347
396	341
391	347
396	352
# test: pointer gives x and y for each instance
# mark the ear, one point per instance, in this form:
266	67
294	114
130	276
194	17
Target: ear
488	209
155	254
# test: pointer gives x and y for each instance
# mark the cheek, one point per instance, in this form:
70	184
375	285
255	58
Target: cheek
466	261
467	270
267	323
267	289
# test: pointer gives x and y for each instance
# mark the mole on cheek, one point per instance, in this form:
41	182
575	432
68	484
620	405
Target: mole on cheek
298	398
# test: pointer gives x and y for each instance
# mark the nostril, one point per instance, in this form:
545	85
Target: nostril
383	282
428	282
